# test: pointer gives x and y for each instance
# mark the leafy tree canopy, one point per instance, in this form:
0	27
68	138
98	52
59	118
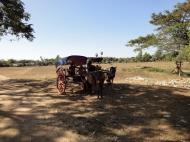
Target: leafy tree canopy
13	19
172	30
143	42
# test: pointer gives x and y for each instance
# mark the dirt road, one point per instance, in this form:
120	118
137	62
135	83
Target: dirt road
31	110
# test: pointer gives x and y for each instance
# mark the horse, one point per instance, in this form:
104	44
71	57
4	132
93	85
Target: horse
110	75
94	80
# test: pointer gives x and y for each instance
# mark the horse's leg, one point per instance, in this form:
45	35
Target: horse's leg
84	87
100	90
112	83
101	87
94	86
91	84
93	89
98	93
88	88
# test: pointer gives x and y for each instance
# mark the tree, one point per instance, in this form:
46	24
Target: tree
96	55
172	30
101	53
173	27
141	43
13	20
139	56
185	54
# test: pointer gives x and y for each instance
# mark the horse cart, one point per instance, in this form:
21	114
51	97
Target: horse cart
69	69
76	69
72	69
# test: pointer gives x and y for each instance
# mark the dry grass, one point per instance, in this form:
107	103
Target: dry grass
155	70
46	72
158	70
31	110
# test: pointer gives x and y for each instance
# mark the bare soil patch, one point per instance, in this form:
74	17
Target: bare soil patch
31	110
2	77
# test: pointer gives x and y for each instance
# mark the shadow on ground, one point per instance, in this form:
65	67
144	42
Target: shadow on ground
31	110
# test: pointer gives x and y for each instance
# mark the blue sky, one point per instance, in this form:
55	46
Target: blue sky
84	27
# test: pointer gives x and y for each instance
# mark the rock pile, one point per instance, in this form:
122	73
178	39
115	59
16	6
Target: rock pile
178	83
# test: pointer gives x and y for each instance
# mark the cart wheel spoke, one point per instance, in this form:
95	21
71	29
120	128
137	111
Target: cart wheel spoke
61	83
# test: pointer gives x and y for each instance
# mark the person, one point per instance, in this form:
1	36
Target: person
90	67
60	62
71	69
81	70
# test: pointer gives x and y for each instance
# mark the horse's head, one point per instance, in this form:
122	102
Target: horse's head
111	74
113	70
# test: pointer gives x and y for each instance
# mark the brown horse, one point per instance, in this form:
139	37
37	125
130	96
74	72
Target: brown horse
95	80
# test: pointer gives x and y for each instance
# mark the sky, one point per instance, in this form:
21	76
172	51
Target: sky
84	27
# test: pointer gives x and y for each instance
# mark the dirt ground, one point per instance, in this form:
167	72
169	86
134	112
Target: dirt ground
32	111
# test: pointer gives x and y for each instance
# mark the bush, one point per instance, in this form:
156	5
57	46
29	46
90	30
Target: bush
185	55
171	56
158	55
146	57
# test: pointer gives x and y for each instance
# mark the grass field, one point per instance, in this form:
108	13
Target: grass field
32	111
158	70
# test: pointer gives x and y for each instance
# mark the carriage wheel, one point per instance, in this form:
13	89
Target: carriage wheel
61	84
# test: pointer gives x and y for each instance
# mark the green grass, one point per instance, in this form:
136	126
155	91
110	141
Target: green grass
124	69
186	74
153	69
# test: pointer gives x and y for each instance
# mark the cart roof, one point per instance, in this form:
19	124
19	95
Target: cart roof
78	60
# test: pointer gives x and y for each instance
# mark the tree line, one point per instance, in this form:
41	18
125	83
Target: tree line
146	57
22	63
